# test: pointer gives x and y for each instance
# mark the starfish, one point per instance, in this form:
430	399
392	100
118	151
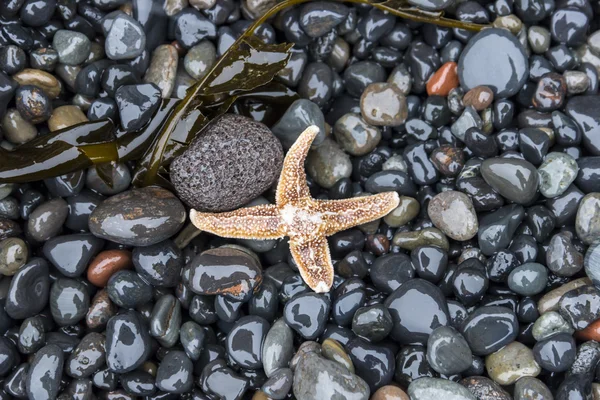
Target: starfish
306	221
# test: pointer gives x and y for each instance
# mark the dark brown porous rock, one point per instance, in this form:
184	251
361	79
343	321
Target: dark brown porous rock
231	162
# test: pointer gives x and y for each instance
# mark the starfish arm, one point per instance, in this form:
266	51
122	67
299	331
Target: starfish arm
292	182
314	263
343	214
259	222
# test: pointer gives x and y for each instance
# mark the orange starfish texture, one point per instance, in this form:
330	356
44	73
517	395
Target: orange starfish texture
306	221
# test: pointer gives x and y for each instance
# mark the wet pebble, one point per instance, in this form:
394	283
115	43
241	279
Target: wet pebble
580	306
428	388
137	104
514	361
162	69
69	301
317	378
72	47
372	102
494	50
118	217
307	314
229	272
29	289
587	223
128	290
529	388
128	342
556	353
125	39
528	279
452	212
447	351
490	328
107	263
45	373
33	104
71	254
165	321
328	163
277	348
174	374
13	255
549	324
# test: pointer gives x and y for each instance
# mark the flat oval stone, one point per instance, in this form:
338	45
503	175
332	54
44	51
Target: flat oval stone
375	364
528	279
587	223
28	291
160	264
550	301
301	114
448	352
45	373
494	58
316	378
127	342
138	217
319	18
229	272
46	220
515	179
511	363
490	328
415	324
437	388
278	347
232	162
453	213
245	341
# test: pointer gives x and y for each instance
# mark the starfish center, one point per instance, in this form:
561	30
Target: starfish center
301	221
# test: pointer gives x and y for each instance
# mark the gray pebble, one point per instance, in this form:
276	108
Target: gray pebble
72	47
162	69
301	114
528	279
550	323
278	347
447	351
557	172
46	220
200	59
126	38
328	163
438	388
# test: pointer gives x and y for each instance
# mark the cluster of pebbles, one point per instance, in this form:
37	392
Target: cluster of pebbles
484	283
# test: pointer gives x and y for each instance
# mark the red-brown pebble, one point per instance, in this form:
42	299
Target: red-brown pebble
592	332
480	98
444	80
100	311
106	264
390	392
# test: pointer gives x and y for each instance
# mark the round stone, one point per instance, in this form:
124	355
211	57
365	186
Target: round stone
245	341
489	328
587	222
383	104
200	59
328	163
529	388
557	172
126	38
514	361
72	47
528	279
513	178
448	352
556	353
13	255
453	213
66	116
407	210
549	324
232	162
355	135
494	58
138	217
17	129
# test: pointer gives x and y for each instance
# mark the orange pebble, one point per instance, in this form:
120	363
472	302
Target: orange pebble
389	392
444	80
592	332
106	264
